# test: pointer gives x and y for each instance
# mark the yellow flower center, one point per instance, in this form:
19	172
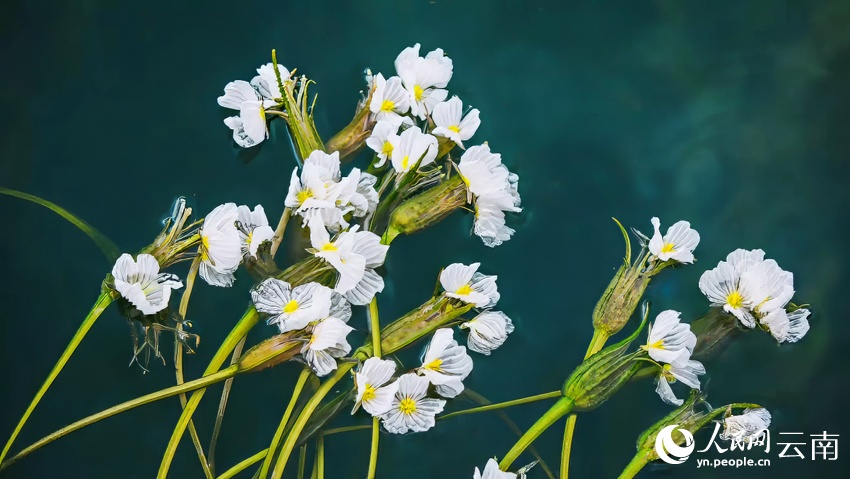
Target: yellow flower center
455	128
407	406
656	345
405	161
303	195
735	299
668	248
329	247
368	393
250	237
387	149
464	290
665	371
434	365
290	307
263	114
387	105
417	92
204	249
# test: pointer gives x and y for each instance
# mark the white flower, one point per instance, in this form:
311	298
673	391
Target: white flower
450	122
492	471
389	100
373	392
355	255
495	191
325	345
412	146
769	285
254	229
236	93
488	331
686	372
383	140
266	81
424	78
221	248
746	427
678	244
368	245
249	128
446	364
468	285
669	340
292	308
787	327
366	200
411	410
140	282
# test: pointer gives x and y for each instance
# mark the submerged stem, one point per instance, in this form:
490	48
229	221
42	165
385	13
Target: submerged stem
502	405
100	305
222	405
281	227
375	326
557	411
245	464
373	454
299	385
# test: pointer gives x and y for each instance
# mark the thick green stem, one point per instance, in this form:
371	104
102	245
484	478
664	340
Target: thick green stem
557	411
502	405
245	464
637	463
249	319
299	386
100	305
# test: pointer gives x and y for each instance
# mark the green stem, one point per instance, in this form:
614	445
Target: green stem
566	447
557	411
339	430
245	464
302	461
502	405
637	463
373	455
596	343
126	406
299	386
309	408
375	323
248	320
320	456
222	405
100	305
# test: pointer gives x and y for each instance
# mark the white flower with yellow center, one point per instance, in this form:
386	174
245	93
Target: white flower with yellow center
373	392
327	343
468	285
266	81
446	364
771	287
495	191
383	141
221	247
413	146
411	410
677	245
390	100
488	331
685	371
355	255
424	78
292	308
254	229
450	122
746	427
249	128
670	341
368	245
492	471
140	282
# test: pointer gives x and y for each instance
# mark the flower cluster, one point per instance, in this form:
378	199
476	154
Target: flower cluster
229	234
756	291
671	342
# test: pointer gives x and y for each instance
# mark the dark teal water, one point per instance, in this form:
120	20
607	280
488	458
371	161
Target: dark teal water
733	115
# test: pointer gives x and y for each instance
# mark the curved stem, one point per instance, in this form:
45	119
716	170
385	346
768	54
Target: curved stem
281	227
222	405
245	464
375	326
637	463
502	405
100	305
125	406
557	411
308	410
249	319
299	385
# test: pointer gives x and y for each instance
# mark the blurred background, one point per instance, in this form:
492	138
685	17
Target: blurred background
732	115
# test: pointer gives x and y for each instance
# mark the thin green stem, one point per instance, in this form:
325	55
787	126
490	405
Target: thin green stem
557	411
320	456
596	343
375	324
248	320
299	386
302	461
566	448
245	464
100	305
637	463
502	405
281	228
125	406
309	408
339	430
222	405
373	455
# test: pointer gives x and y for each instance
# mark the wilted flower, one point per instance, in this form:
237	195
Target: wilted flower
325	345
446	364
747	426
495	192
488	331
678	244
411	410
670	341
373	392
686	372
390	100
424	78
468	285
221	248
140	282
450	122
412	146
292	308
253	229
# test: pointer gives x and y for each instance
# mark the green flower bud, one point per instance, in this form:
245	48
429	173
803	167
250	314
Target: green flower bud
299	116
271	352
351	139
427	208
620	299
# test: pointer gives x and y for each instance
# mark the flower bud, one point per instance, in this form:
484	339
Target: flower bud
427	208
299	117
307	270
620	299
271	352
352	138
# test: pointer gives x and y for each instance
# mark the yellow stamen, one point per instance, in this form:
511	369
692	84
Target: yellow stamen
290	307
668	248
204	249
455	128
387	105
735	300
304	195
404	162
329	247
656	345
464	290
417	92
387	149
434	365
407	406
368	393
